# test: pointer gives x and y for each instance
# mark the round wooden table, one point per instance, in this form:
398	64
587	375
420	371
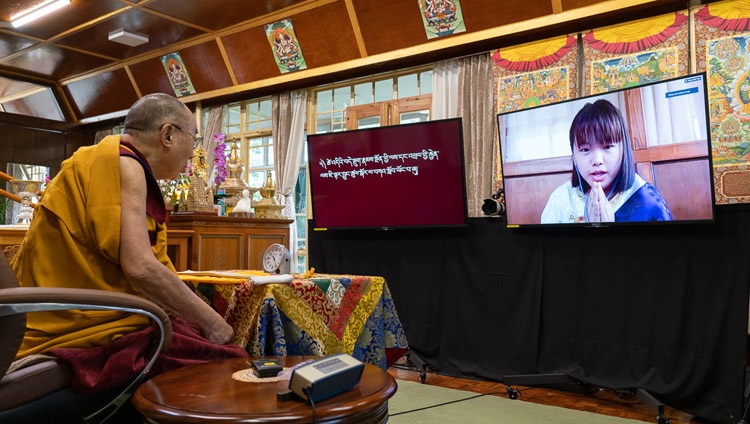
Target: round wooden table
208	393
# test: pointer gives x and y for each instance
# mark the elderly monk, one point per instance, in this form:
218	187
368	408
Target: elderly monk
101	225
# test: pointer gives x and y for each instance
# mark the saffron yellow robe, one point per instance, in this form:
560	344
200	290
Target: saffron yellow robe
74	241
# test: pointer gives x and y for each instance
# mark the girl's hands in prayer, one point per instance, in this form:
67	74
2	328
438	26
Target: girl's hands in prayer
598	207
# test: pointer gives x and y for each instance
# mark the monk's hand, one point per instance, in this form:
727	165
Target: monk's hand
220	332
598	207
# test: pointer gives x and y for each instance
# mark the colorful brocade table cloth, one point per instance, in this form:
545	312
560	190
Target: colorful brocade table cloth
318	315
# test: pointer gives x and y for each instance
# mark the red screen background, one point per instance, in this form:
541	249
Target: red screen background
408	175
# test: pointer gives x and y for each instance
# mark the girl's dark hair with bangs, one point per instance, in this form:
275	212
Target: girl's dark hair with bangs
600	123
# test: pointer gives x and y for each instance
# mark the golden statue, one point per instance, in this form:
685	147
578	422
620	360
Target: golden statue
197	197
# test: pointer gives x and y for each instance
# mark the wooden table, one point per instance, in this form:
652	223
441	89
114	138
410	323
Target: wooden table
207	393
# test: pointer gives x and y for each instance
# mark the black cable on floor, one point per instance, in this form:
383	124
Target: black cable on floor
444	403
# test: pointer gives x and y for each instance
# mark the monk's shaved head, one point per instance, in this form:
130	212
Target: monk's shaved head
153	110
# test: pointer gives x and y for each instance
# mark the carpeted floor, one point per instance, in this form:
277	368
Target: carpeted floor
413	396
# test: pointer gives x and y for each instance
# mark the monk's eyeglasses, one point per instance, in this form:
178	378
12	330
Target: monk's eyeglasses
197	139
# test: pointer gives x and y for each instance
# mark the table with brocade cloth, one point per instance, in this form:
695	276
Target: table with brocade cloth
318	315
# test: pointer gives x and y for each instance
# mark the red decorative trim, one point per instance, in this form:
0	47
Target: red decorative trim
533	65
639	45
704	15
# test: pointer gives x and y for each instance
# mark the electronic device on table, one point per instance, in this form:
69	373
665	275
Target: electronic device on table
326	377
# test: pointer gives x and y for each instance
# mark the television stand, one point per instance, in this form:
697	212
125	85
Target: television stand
419	364
555	381
568	383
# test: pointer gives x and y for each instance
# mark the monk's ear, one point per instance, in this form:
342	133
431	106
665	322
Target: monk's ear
166	135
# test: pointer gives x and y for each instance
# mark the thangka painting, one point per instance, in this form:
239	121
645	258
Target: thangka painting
177	74
286	49
441	17
533	74
635	53
722	50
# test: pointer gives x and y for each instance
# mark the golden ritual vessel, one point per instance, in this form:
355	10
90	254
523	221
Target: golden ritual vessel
268	206
234	184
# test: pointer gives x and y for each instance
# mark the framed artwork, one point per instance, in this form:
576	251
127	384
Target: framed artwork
722	50
286	49
441	17
177	74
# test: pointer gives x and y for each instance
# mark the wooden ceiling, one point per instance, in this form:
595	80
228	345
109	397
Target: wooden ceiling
66	57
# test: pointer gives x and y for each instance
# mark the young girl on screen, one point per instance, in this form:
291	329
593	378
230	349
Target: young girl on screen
604	186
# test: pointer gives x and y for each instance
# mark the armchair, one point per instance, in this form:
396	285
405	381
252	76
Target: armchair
42	391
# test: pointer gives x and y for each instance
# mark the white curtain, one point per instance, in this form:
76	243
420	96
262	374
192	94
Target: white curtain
445	89
477	109
288	123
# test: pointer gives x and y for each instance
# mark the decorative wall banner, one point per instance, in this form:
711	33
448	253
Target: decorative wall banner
635	53
533	74
177	74
722	50
634	69
286	49
441	17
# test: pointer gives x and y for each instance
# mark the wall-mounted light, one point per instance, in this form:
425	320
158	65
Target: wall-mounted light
25	16
129	38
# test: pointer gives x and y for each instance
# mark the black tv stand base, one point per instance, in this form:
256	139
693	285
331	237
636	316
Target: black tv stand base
567	383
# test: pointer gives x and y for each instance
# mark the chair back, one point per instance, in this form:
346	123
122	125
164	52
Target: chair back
12	327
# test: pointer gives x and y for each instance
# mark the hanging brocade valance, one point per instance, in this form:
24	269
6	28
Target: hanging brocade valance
534	56
726	15
635	36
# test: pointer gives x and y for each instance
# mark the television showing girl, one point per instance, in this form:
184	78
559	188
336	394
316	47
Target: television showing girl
638	155
604	185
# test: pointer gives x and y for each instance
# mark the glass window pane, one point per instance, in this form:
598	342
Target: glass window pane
368	122
265	110
301	264
383	90
363	93
233	118
418	116
341	98
425	82
301	222
257	179
324	100
407	86
324	127
252	111
300	192
257	157
339	117
323	123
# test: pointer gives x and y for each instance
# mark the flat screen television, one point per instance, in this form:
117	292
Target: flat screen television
401	176
660	131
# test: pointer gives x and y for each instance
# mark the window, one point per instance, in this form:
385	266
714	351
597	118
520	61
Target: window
249	124
19	171
391	99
